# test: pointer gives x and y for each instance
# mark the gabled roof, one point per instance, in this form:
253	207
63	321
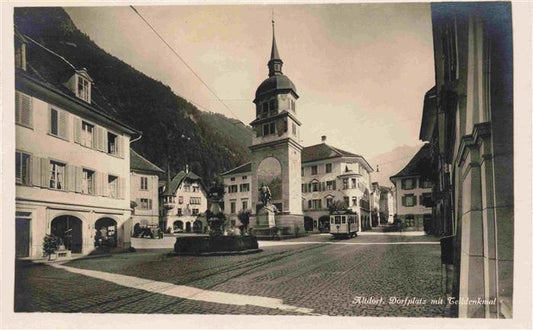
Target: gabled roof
182	176
245	168
419	165
138	162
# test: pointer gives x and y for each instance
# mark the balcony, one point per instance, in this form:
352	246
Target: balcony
168	202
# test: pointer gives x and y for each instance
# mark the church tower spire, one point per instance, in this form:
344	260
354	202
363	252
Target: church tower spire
275	63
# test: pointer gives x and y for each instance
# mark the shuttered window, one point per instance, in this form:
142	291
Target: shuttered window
22	166
87	134
58	123
87	182
23	109
57	175
144	204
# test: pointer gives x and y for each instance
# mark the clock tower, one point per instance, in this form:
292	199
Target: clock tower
276	150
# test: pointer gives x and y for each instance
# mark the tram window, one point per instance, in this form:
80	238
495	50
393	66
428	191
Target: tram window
351	220
337	219
343	219
331	220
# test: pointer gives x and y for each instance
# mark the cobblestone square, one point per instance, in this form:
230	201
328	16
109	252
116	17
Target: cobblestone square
313	273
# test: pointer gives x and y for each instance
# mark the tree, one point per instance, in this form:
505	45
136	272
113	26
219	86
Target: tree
336	206
244	218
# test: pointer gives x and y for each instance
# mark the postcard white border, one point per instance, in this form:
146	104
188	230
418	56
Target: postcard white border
522	32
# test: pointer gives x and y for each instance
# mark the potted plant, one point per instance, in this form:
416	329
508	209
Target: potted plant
50	245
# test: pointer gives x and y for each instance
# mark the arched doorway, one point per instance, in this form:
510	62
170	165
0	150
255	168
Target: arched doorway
308	223
188	227
323	224
177	226
106	232
69	229
197	226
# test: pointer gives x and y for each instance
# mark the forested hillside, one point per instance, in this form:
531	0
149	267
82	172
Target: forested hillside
216	144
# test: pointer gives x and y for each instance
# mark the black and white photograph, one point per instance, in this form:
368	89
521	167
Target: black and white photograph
288	161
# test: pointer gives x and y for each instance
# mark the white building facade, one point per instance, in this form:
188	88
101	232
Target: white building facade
413	192
237	183
144	184
386	205
72	165
328	175
189	198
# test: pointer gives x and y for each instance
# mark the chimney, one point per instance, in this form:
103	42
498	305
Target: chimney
187	168
323	139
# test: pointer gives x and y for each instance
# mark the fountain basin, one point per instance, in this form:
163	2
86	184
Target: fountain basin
216	245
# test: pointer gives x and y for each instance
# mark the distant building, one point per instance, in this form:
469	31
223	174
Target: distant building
237	184
189	198
375	196
468	121
386	205
413	191
72	158
144	181
330	174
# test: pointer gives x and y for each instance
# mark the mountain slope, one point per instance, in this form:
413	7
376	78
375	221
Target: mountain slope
216	143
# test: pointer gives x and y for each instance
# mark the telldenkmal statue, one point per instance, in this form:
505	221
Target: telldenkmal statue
267	213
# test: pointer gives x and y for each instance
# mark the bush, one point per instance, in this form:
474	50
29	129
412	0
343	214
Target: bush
50	245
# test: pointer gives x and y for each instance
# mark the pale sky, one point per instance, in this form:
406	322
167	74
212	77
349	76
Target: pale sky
361	70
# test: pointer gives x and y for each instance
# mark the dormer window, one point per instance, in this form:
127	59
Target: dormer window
83	90
80	84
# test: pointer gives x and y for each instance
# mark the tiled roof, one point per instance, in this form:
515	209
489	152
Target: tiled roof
241	169
309	154
138	162
324	151
419	165
52	72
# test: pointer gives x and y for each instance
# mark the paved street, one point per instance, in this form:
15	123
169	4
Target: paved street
308	275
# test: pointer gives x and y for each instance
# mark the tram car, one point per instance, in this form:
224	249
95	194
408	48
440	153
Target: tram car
343	224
